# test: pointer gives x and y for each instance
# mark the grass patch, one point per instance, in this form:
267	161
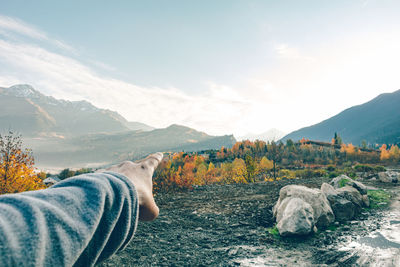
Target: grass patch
332	227
378	198
343	182
274	232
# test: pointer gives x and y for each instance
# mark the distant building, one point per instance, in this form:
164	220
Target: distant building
52	180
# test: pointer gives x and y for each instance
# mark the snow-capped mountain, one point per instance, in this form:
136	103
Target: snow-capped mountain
24	109
270	135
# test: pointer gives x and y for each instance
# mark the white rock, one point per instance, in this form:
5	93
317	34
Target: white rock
389	177
323	214
297	218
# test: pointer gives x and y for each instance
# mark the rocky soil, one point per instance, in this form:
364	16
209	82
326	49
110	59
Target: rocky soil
226	225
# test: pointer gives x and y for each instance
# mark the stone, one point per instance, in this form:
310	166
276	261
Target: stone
343	209
296	219
336	183
365	199
351	194
323	214
329	191
360	187
388	177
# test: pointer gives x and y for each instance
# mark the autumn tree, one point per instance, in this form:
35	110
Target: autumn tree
251	168
384	152
17	172
274	153
265	165
239	172
394	153
349	149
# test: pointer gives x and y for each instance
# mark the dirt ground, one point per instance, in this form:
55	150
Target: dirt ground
226	225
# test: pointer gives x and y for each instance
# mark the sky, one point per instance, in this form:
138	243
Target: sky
222	67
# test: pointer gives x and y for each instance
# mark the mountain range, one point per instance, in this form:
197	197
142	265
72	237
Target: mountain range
376	122
77	134
25	110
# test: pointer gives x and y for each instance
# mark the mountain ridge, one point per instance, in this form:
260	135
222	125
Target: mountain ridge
65	133
376	121
69	118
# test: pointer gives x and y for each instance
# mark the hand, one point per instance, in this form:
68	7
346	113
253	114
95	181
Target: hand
141	173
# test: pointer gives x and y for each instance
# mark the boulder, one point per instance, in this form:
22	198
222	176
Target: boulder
343	209
322	211
296	219
344	180
365	199
329	192
388	177
340	181
360	187
351	194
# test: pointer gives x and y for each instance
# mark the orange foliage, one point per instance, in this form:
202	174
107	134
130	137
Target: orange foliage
349	149
384	152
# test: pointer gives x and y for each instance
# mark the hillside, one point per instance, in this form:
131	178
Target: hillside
99	149
377	121
77	134
25	110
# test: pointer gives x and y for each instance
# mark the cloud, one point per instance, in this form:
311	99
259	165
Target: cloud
9	26
304	87
218	110
289	52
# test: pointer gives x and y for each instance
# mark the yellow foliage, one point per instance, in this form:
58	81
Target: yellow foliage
239	172
17	172
200	175
394	153
265	165
384	152
349	149
288	174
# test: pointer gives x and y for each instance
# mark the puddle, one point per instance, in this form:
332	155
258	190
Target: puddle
268	256
378	241
382	247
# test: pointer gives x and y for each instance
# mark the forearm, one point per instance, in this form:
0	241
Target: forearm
81	221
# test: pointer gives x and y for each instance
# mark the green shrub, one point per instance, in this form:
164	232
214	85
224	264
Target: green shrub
66	173
308	173
368	168
333	174
330	168
380	169
274	232
363	168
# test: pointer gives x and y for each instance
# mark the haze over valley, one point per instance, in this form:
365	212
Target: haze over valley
76	134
